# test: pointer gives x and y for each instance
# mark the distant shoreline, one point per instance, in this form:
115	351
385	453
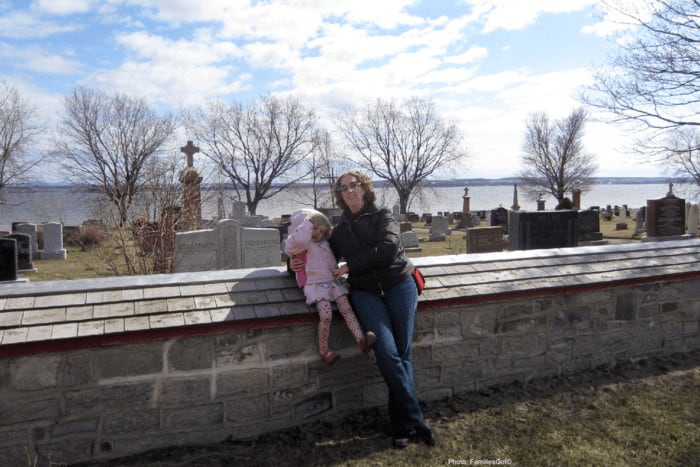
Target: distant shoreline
462	182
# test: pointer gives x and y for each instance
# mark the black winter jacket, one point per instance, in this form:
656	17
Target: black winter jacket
370	243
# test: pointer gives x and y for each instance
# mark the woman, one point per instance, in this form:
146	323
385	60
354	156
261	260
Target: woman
383	295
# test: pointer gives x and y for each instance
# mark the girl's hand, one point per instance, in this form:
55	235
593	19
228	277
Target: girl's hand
341	271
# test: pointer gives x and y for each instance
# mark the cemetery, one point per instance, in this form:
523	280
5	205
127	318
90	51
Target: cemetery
223	347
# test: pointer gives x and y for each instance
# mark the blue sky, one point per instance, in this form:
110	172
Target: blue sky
486	64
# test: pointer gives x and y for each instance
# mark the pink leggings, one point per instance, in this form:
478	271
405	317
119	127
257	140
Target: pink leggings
326	315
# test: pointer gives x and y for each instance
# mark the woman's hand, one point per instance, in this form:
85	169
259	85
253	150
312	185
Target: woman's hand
296	264
341	271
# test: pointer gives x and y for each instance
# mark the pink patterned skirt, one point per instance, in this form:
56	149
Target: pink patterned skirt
324	291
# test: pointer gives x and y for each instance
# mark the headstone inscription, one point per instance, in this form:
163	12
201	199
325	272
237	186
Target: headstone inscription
542	229
8	259
665	216
53	241
228	245
484	239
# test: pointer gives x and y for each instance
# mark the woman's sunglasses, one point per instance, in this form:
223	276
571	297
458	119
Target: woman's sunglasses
350	186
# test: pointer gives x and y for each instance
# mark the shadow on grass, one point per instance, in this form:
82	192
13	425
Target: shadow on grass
362	438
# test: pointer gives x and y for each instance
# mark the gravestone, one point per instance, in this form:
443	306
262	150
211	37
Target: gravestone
665	216
405	227
410	241
499	217
484	239
589	226
542	229
29	229
228	245
439	228
238	210
639	219
24	252
53	241
8	259
693	219
192	191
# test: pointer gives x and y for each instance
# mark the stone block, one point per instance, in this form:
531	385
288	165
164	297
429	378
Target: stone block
571	317
35	372
483	323
131	421
176	391
520	325
524	345
625	308
427	377
313	406
191	353
286	376
242	382
245	409
116	397
462	376
16	455
76	371
208	415
81	425
64	453
131	360
23	411
448	324
446	354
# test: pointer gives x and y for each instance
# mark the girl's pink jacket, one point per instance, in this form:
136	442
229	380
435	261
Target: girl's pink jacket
320	261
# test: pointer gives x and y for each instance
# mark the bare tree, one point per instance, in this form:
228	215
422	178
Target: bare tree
402	143
106	140
554	161
653	82
17	131
324	165
260	146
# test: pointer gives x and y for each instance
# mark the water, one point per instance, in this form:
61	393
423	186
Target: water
72	207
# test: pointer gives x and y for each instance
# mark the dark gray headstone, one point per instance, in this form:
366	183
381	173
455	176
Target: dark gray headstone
24	251
542	229
665	216
589	226
8	259
499	217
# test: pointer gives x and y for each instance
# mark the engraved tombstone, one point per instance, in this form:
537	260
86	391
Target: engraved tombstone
499	217
484	239
542	229
665	216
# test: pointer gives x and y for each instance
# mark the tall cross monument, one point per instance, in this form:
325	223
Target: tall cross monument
192	191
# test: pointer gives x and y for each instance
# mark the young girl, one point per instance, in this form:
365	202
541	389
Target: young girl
308	235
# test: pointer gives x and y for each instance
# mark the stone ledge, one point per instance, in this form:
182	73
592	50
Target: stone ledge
59	310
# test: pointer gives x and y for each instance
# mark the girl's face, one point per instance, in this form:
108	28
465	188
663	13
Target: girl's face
318	233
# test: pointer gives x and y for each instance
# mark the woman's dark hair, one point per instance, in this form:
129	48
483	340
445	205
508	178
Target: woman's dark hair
365	183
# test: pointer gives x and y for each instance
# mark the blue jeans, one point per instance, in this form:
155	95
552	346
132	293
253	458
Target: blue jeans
391	318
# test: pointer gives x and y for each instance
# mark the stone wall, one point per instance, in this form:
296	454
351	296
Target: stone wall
483	320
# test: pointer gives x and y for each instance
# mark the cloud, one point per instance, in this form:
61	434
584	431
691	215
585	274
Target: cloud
34	58
62	7
516	14
20	25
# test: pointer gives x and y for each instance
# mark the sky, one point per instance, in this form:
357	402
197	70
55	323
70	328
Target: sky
486	64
